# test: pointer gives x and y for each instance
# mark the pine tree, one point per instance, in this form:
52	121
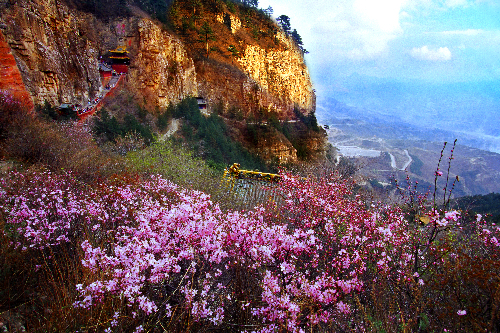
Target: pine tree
298	41
284	22
206	35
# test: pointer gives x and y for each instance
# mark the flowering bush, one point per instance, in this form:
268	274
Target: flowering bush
159	255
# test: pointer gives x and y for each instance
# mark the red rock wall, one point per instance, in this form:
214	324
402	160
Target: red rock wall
10	77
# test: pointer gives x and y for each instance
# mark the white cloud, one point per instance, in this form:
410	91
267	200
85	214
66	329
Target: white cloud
405	15
424	53
360	29
382	15
343	29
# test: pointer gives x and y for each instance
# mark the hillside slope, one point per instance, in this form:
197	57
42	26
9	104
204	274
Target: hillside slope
247	69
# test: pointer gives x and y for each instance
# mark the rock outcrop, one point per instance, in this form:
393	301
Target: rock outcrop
161	69
253	65
282	73
57	49
10	77
276	147
54	49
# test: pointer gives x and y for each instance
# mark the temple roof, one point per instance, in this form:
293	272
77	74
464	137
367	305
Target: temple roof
119	49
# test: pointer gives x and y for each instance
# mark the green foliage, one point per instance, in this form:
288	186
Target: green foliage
234	51
164	119
186	25
481	204
298	41
209	136
251	3
111	128
274	122
268	11
284	22
175	163
235	113
297	133
216	6
50	112
206	35
310	120
230	6
245	3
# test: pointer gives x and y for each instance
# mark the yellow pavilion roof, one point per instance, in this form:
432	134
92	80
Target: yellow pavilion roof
119	49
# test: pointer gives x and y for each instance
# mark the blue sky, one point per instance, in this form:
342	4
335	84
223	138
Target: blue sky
429	40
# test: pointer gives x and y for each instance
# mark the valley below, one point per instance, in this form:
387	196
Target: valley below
385	150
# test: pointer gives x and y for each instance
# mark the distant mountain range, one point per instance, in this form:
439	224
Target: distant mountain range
390	147
466	111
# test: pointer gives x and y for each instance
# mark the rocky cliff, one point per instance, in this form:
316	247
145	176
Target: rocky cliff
281	72
252	65
57	49
161	69
10	77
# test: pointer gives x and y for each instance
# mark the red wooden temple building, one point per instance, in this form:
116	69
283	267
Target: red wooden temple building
120	59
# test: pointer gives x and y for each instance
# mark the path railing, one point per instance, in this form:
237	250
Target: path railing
98	103
248	188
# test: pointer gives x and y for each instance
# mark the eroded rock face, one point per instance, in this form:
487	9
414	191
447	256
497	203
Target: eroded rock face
233	22
57	59
278	148
58	49
10	77
281	73
162	69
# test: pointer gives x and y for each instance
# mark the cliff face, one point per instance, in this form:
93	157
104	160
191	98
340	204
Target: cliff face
282	73
57	49
10	77
161	69
53	50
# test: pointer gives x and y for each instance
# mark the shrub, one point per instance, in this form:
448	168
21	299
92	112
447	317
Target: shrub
164	119
174	163
57	145
111	128
52	113
211	138
143	253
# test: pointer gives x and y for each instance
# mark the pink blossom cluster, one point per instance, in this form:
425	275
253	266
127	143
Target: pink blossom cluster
40	207
162	249
309	253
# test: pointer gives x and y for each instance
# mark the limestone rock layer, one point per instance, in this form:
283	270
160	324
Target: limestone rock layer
10	77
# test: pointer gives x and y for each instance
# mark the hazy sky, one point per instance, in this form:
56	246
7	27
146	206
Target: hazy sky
431	40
